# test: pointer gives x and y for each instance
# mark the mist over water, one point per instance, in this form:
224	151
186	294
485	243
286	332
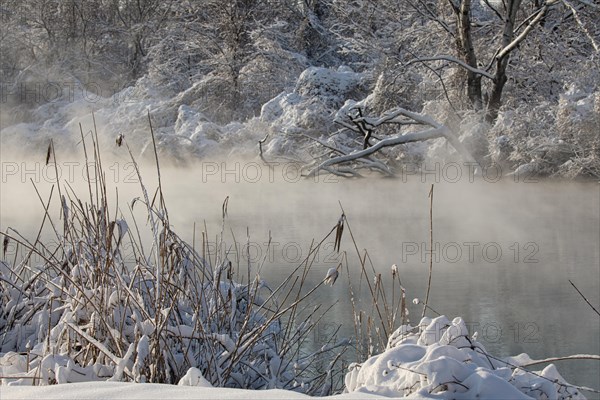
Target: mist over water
503	251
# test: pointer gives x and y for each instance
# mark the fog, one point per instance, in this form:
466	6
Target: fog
503	251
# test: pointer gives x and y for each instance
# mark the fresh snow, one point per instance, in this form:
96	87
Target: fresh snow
310	108
438	359
145	391
441	361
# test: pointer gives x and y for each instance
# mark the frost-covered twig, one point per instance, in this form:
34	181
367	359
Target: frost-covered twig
553	359
394	116
453	60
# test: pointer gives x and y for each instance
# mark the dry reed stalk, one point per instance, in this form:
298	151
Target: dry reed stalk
425	305
168	291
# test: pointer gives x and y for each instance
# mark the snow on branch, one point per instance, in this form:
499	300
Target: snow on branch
589	4
397	115
393	141
554	359
511	46
453	60
589	35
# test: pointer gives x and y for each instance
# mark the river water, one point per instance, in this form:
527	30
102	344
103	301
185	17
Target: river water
503	252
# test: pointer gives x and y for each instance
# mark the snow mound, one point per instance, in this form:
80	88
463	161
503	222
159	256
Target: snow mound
194	377
331	86
439	360
293	114
310	107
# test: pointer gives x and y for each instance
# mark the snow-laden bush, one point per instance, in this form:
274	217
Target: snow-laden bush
439	359
551	139
520	138
578	123
88	312
470	127
318	94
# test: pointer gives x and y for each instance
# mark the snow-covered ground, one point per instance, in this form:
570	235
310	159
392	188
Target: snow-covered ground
143	391
297	124
183	130
438	359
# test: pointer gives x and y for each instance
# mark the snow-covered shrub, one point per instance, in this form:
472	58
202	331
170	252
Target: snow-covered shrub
291	113
470	127
104	305
332	87
393	90
318	95
578	124
550	139
439	359
522	138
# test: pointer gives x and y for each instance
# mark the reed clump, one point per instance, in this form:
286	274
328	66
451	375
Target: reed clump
85	312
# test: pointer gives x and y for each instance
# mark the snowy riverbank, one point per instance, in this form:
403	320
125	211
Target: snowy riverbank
438	359
143	391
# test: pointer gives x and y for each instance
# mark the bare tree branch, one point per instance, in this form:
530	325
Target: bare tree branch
453	60
581	25
437	131
589	3
511	46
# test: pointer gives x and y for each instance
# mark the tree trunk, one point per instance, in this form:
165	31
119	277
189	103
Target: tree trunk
495	98
466	50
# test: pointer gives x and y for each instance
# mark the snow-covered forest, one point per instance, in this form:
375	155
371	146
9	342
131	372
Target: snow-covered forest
516	81
109	297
